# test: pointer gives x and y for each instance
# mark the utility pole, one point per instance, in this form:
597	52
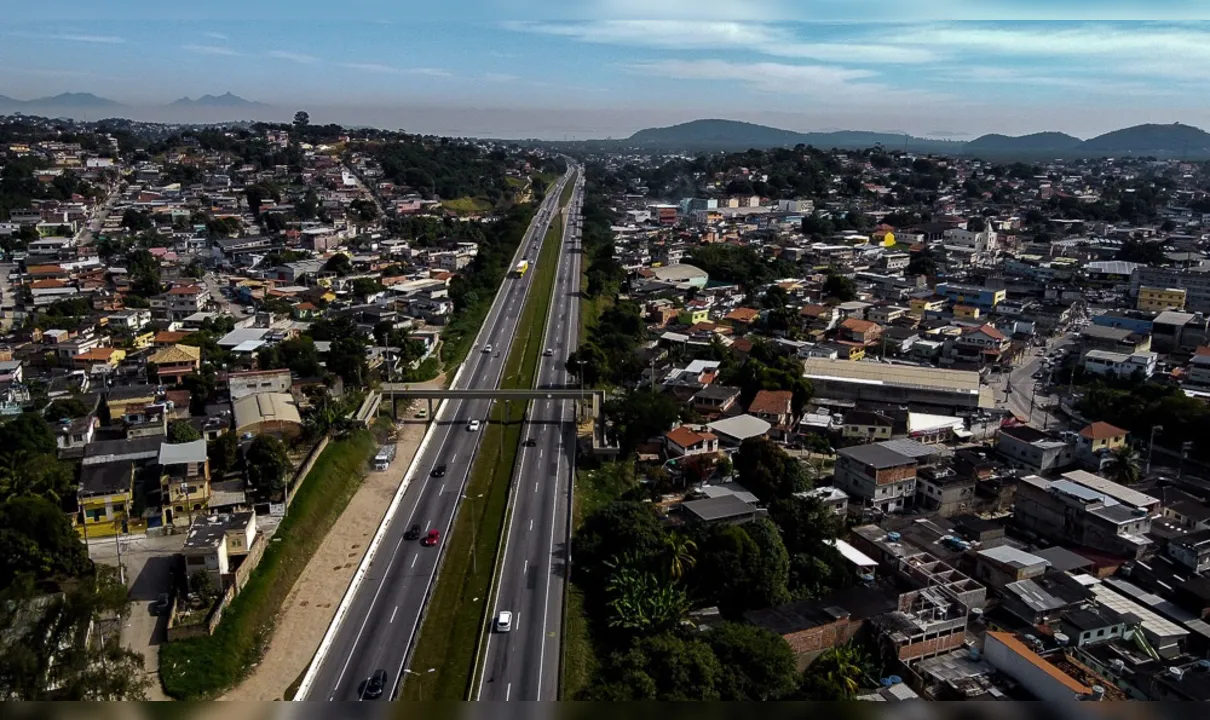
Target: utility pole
1185	447
1151	445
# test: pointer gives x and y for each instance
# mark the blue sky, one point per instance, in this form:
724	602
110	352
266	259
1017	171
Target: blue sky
608	67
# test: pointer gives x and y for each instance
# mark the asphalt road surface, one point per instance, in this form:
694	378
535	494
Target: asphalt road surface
384	615
523	664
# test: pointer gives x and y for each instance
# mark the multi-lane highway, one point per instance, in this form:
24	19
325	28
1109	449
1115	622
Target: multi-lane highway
523	663
379	619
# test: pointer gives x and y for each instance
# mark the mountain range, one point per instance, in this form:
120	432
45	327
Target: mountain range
87	102
1166	141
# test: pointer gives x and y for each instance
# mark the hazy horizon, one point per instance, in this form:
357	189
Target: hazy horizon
606	68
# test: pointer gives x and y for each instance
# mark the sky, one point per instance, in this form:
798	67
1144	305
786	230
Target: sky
605	68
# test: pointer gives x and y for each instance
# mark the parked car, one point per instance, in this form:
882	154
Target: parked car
432	538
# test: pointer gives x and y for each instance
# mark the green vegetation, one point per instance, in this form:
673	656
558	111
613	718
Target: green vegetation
450	635
1146	405
634	581
205	667
468	205
740	265
473	289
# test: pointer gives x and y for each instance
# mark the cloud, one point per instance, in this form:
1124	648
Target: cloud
73	37
392	70
213	50
216	35
500	77
823	83
293	57
726	36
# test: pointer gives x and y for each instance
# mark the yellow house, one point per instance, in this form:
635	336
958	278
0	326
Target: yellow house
1155	299
920	306
692	316
1103	436
108	356
142	340
969	312
105	498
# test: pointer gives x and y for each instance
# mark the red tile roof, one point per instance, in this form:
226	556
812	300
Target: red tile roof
1102	431
771	402
685	437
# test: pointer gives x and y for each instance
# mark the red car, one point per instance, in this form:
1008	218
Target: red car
431	539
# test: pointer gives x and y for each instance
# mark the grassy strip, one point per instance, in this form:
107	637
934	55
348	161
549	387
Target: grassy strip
568	189
205	667
449	637
468	205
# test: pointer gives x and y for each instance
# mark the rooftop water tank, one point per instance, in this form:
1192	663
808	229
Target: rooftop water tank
893	536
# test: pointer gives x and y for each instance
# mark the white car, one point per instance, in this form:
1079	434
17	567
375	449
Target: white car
504	621
548	352
487	348
473	426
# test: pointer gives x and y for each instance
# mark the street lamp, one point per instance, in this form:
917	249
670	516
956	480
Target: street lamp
474	539
420	686
1151	445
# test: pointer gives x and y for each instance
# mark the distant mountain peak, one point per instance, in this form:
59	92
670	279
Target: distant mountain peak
227	100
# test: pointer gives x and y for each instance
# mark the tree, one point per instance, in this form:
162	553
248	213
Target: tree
835	675
757	663
679	551
339	264
640	602
840	288
36	538
765	469
617	529
1123	466
65	408
41	475
742	567
640	415
223	453
663	667
180	431
922	263
27	433
268	465
365	287
301	120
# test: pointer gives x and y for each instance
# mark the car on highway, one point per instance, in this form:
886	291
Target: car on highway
548	352
530	442
439	471
487	348
504	621
472	426
412	533
376	684
432	538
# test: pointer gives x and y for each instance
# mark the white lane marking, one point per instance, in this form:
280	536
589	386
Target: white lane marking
535	486
442	489
531	524
508	691
393	615
525	569
414	559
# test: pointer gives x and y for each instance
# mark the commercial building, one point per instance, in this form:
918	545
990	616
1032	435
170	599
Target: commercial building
880	383
274	413
1066	511
1121	365
1195	281
1153	299
985	299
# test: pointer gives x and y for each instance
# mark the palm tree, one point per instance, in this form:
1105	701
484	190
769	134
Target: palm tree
679	550
1123	465
836	675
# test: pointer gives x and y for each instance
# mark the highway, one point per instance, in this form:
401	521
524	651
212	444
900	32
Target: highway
379	619
523	664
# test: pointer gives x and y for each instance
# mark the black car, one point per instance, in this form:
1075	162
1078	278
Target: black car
530	442
376	684
412	533
439	471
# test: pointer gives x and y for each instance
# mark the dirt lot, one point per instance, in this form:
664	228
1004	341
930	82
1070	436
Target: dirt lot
312	602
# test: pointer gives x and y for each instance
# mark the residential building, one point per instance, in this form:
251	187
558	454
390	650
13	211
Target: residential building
725	509
243	384
104	499
1156	299
215	544
774	407
877	477
180	302
682	442
714	400
733	431
1117	340
1067	511
174	362
866	424
944	491
1192	550
998	566
985	299
184	482
1121	365
1043	680
101	359
1036	451
1195	281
